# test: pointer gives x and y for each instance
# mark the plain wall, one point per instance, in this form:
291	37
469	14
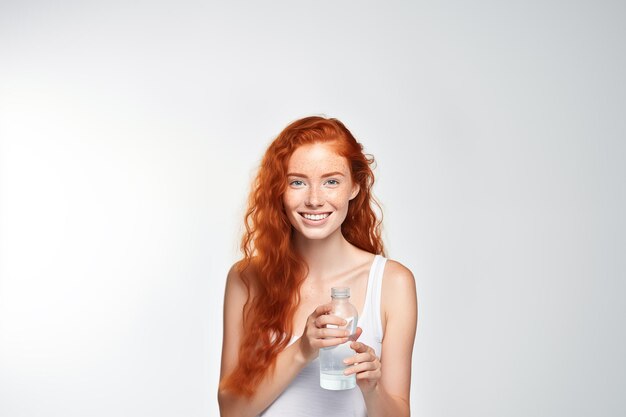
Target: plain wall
129	134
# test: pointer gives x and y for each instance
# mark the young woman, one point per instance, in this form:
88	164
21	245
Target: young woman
310	226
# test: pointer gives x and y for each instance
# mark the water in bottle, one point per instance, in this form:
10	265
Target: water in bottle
331	358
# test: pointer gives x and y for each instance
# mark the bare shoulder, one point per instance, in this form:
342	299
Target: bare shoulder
240	278
398	276
234	274
399	294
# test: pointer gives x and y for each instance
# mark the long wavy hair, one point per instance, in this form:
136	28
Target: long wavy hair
270	262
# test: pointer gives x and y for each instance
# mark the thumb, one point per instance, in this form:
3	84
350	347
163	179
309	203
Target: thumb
356	334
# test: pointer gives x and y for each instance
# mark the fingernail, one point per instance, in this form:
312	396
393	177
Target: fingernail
345	361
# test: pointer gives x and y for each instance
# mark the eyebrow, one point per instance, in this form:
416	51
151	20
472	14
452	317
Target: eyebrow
330	174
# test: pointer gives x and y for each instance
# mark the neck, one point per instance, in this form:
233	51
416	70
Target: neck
323	256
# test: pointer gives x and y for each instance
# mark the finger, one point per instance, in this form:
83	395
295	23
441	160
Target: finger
356	334
333	341
359	347
322	309
361	357
361	368
372	375
329	319
325	333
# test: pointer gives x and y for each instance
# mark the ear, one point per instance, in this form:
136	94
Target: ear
355	191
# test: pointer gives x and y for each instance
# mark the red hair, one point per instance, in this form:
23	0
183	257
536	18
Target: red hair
269	257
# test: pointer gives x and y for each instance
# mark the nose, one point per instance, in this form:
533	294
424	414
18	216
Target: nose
315	198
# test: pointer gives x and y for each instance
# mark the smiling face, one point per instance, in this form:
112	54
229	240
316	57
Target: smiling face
319	188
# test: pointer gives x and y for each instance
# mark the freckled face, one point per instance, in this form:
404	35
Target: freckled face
319	188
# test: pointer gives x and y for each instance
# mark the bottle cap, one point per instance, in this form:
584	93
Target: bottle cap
340	292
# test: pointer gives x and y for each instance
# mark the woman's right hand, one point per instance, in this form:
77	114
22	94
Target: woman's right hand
317	335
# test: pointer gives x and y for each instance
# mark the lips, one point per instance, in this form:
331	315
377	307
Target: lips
315	216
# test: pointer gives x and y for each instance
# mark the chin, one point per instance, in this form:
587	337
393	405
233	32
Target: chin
314	236
317	234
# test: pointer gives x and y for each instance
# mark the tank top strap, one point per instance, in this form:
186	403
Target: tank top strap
374	290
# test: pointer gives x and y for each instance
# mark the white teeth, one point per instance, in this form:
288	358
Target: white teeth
315	216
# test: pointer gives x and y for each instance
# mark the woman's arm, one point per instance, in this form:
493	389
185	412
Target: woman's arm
386	382
289	362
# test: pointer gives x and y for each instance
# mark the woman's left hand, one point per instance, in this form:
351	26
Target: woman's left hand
365	364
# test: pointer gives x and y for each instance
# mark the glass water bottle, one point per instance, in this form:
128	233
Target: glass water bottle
331	358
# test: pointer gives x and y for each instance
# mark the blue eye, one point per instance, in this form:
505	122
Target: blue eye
296	183
332	182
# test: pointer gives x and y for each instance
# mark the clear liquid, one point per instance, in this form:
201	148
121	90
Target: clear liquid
331	358
332	367
336	380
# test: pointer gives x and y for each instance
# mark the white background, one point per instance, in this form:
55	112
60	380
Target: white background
129	134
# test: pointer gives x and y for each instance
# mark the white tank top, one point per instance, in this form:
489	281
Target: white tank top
305	398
